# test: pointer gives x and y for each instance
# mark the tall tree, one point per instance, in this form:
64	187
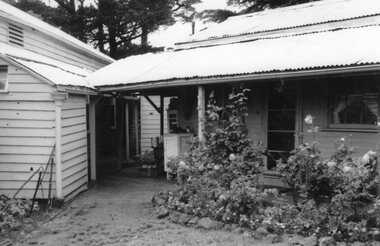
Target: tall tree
111	25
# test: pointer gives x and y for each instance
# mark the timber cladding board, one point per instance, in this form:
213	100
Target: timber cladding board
22	176
27	115
73	162
74	153
75	172
24	158
27	97
79	178
16	184
73	113
74	121
29	150
31	124
75	187
74	145
25	106
73	137
26	132
21	167
27	141
68	130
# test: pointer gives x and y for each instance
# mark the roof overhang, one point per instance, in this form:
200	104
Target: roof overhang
317	53
64	77
293	75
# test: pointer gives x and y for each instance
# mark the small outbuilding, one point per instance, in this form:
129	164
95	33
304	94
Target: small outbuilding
47	109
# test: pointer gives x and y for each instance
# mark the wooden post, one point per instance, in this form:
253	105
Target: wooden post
119	131
136	123
92	128
128	155
162	116
201	112
59	99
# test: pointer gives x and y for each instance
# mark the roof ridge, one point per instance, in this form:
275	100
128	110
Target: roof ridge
275	29
283	36
291	7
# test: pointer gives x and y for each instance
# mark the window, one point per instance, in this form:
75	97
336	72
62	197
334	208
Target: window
354	104
15	35
3	78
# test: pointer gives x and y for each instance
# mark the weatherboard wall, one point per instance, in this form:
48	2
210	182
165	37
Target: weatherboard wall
27	132
150	121
74	145
27	136
54	48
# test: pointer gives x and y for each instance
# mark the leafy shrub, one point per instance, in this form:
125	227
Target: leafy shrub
219	176
219	179
146	159
345	185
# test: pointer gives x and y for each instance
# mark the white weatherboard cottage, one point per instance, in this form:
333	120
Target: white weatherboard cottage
320	58
43	100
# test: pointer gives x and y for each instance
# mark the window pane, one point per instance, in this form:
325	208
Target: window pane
3	76
281	120
2	85
354	103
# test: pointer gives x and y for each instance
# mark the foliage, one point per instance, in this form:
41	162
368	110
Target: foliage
215	15
219	176
110	25
146	159
345	182
12	211
219	180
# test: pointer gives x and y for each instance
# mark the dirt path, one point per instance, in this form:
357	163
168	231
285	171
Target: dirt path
118	212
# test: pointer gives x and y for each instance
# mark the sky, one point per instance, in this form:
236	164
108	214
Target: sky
167	36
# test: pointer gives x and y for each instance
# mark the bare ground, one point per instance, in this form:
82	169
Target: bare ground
118	211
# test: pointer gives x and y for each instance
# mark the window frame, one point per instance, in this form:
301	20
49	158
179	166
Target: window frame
356	127
5	90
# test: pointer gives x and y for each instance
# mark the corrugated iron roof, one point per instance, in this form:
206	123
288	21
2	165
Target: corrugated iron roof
333	48
289	17
57	72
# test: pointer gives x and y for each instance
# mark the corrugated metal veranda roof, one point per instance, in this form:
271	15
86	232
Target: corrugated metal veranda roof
315	50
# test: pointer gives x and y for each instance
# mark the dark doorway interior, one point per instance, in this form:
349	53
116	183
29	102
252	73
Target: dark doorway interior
281	123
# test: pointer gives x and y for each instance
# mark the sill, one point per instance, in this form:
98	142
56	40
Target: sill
4	92
360	130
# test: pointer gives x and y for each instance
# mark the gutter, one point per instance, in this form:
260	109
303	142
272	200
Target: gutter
240	78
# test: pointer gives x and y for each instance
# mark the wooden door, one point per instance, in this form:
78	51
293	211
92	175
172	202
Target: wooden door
281	123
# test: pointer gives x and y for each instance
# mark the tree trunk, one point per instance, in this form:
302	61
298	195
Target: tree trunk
144	35
112	42
100	37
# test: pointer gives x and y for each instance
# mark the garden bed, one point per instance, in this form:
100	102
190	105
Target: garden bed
221	186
